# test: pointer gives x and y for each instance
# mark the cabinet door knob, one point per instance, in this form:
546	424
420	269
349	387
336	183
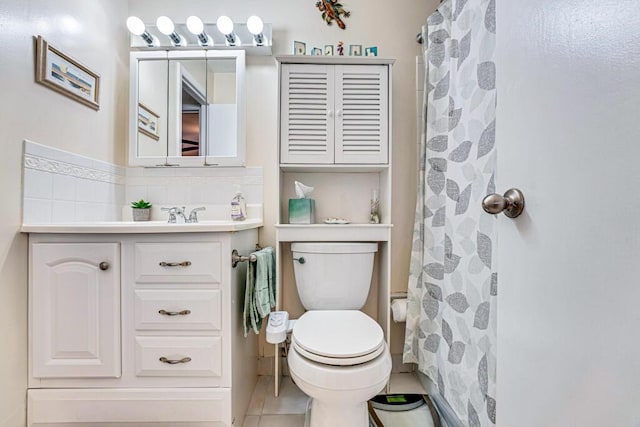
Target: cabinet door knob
175	361
104	266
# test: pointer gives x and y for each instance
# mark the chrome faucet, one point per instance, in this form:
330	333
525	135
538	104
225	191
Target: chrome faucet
175	212
193	216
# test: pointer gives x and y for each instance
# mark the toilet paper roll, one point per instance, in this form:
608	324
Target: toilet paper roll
399	310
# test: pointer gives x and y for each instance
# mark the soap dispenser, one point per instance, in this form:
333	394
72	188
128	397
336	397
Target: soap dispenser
238	207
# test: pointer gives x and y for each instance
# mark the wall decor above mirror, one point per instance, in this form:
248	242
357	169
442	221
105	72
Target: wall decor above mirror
187	108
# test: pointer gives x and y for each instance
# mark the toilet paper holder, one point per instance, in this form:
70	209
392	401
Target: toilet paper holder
397	295
398	306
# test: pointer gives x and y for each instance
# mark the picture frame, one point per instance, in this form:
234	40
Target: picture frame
371	51
299	48
66	75
148	122
355	50
328	50
316	51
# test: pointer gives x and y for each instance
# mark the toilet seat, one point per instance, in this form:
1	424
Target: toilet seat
338	337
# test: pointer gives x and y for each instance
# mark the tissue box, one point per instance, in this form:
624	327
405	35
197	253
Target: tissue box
302	211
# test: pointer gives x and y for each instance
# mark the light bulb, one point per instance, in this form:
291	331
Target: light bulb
165	25
225	25
135	25
195	25
255	25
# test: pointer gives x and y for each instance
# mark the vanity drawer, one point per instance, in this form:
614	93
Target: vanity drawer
170	262
178	356
196	310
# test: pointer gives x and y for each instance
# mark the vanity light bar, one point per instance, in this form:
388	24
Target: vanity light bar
254	36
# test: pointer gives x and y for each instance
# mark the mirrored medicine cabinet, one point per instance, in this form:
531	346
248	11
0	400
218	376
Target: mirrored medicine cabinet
187	108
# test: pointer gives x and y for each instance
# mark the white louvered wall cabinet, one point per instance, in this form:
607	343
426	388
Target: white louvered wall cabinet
335	135
334	113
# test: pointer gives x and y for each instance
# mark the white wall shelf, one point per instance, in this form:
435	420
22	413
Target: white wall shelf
334	233
332	168
334	60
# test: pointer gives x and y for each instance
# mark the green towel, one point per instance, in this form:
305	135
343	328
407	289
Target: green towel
260	292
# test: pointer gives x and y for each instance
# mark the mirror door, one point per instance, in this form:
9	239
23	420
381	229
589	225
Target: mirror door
187	102
148	134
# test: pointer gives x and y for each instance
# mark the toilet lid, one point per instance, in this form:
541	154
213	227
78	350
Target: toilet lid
342	334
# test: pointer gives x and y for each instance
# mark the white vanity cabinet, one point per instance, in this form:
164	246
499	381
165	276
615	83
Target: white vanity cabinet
334	113
139	328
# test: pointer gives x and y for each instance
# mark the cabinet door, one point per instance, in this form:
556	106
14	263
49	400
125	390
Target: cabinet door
75	310
307	114
362	114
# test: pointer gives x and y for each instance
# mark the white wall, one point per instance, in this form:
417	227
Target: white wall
94	33
392	26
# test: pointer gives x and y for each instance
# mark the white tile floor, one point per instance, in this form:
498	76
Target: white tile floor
288	409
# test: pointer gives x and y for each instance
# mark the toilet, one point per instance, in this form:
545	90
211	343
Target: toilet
338	354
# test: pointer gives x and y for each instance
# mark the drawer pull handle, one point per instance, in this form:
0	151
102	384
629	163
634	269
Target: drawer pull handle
175	264
175	361
175	313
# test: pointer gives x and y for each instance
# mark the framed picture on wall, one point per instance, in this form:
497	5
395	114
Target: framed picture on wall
148	122
66	75
328	50
316	51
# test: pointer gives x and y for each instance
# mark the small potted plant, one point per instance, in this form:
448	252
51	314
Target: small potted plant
141	210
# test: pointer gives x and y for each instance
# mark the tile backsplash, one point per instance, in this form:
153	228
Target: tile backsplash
62	187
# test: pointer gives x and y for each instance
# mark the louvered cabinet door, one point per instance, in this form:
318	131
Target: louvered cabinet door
307	114
362	114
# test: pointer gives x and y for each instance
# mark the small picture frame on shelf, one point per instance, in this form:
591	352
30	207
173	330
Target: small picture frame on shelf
355	50
316	51
328	50
371	51
299	48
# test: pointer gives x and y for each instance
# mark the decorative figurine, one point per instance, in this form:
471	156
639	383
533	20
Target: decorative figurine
340	48
331	11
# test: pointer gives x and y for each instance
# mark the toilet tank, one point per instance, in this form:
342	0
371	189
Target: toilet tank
333	276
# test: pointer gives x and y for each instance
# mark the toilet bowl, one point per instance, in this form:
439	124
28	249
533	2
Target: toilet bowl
338	355
340	359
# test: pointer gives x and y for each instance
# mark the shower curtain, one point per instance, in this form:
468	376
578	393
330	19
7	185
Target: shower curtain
451	321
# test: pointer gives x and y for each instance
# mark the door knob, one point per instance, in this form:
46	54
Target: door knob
512	203
104	266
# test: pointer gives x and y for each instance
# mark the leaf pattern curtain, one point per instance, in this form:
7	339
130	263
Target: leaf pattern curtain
451	321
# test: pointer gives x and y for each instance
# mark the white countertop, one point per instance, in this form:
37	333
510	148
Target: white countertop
137	227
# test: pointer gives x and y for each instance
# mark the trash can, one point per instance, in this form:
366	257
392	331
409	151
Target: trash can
403	410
